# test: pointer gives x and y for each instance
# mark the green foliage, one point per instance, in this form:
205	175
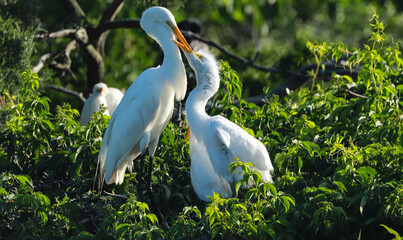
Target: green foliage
16	46
337	159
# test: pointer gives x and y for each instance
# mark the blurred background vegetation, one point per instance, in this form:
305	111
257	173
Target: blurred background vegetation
273	33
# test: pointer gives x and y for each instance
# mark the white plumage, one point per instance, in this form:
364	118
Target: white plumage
148	104
101	94
215	141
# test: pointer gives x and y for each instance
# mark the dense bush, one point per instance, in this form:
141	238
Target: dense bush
337	150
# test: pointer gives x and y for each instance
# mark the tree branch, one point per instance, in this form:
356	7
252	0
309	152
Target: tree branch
66	50
59	34
73	6
112	10
41	62
294	82
76	95
122	23
115	195
245	61
109	14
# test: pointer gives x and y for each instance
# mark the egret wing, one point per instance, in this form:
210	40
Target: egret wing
218	143
113	98
204	179
240	144
128	126
86	113
90	106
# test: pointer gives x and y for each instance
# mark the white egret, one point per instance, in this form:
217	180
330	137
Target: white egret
215	141
147	105
101	94
113	98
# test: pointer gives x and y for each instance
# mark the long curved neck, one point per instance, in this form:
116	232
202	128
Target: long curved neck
172	65
195	104
172	57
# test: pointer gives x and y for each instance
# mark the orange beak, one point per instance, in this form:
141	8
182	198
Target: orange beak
188	134
183	44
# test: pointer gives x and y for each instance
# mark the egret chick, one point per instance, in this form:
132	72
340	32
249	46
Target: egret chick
215	141
101	94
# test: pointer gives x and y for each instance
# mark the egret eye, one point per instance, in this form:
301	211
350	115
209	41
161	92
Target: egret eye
201	57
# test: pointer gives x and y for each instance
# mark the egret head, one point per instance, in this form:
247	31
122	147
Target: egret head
202	61
99	88
157	21
205	65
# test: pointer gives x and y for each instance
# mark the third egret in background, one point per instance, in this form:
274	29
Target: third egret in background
101	94
215	141
147	105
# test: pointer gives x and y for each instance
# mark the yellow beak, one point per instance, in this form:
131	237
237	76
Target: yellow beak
183	44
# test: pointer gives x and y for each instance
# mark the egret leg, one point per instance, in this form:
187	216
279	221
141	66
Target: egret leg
180	112
140	178
150	169
149	187
151	196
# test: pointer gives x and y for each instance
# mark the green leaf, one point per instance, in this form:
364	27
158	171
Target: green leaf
272	189
153	218
391	90
392	231
307	146
368	170
215	231
197	212
241	206
43	198
310	124
23	180
122	228
3	191
237	187
341	186
348	78
364	200
300	163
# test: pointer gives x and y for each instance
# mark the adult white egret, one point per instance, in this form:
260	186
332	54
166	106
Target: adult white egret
147	105
215	141
101	94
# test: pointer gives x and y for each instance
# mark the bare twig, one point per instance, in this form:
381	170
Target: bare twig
78	96
116	195
2	102
355	94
